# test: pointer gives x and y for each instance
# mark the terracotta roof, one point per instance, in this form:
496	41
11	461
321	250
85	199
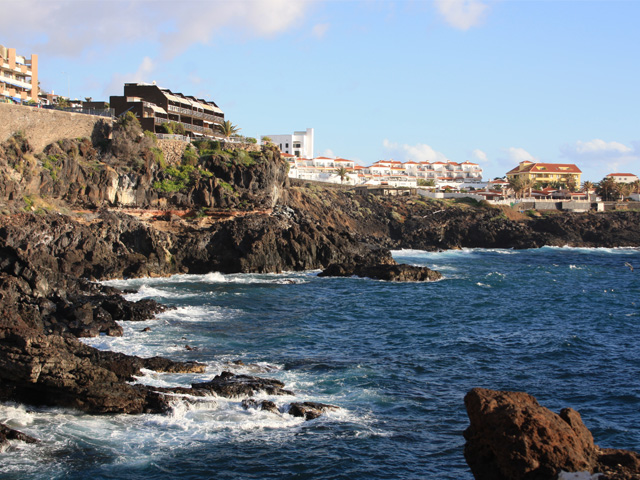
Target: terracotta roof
546	168
621	175
411	163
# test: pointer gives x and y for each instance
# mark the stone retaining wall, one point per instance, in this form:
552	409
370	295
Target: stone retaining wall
42	126
172	150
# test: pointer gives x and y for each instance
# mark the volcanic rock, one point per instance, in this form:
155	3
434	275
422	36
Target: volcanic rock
7	434
310	410
267	405
231	385
381	266
512	437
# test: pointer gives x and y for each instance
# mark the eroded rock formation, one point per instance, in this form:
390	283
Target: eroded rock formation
512	437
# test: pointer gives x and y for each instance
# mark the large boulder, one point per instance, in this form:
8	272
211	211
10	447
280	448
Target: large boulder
512	437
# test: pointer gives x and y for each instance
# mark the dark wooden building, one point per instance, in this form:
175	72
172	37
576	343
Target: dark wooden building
153	106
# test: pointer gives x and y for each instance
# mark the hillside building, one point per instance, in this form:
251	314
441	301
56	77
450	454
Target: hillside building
547	173
153	106
623	177
386	172
18	77
300	144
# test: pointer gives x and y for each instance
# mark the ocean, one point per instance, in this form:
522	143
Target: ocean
397	359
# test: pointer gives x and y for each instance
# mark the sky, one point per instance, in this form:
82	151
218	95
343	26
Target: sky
494	82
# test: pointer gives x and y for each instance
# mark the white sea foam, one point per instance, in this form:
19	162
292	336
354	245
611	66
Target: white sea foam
613	250
213	278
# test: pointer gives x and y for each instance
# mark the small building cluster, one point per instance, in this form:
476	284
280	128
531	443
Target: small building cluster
386	172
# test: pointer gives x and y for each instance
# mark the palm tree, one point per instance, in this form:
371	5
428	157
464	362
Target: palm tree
342	173
586	188
608	189
517	185
228	129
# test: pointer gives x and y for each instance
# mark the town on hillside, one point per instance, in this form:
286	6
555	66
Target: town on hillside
174	115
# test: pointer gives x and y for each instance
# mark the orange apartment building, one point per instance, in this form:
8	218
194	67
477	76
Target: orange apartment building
18	76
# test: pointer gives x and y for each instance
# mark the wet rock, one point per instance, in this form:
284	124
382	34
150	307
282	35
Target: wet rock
230	385
512	437
380	266
310	410
7	434
267	405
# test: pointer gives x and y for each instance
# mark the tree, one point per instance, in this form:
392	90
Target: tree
342	173
635	187
228	129
608	189
426	182
571	183
587	187
624	189
516	184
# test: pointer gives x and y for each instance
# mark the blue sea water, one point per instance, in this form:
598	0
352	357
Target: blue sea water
397	358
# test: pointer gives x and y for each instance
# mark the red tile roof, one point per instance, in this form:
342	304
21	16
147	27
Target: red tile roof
621	175
545	167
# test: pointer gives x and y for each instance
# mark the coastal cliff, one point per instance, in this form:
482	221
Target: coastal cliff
81	211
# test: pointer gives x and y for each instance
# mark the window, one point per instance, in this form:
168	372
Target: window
286	145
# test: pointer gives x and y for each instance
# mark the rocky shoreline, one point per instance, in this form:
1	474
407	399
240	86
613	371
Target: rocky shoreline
80	212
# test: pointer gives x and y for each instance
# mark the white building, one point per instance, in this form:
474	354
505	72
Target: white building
300	144
623	177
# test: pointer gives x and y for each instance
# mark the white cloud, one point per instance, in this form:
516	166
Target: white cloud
328	153
601	147
598	158
143	74
462	14
173	27
320	30
479	155
518	155
420	152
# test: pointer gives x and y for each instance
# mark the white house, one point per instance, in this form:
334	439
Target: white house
299	144
623	177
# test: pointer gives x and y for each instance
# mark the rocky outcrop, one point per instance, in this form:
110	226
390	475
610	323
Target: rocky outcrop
7	434
230	385
310	410
380	265
512	437
41	369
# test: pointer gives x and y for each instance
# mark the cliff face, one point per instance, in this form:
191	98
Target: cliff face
84	211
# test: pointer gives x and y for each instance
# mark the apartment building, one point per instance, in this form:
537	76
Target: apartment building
18	76
153	106
546	173
300	144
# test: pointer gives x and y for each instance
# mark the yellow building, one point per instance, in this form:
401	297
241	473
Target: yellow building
18	76
546	172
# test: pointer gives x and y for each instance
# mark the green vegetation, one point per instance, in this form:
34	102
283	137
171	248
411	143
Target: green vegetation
50	163
426	183
28	202
227	129
172	128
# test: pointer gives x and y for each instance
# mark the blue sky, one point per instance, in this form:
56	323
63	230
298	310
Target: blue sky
495	82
